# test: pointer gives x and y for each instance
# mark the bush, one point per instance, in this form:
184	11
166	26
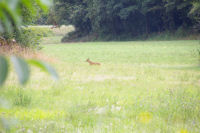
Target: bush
28	38
41	31
31	36
77	37
179	34
71	36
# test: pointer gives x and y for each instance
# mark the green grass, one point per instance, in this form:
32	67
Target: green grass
57	35
141	87
51	40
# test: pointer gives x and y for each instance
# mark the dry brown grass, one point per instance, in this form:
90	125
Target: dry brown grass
27	53
62	30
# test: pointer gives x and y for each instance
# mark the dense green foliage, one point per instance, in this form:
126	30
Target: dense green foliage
14	14
128	17
41	31
31	36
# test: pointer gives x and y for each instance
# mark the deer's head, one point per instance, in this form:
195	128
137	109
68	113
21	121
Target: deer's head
87	60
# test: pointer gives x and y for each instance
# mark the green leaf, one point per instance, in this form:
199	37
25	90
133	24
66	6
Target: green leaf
4	103
43	4
46	2
7	124
4	123
44	67
5	21
22	69
3	69
13	4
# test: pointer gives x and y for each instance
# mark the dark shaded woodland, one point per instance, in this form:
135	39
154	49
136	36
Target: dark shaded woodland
127	17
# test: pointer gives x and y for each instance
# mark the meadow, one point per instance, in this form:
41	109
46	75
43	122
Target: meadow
140	87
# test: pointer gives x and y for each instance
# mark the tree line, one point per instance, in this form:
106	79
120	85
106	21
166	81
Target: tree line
127	17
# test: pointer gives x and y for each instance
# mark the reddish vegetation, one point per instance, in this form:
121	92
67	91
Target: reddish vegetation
12	48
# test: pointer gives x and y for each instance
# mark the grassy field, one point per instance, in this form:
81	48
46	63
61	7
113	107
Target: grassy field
140	87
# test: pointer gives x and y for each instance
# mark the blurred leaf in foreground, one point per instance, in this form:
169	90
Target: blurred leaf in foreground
3	69
44	67
21	68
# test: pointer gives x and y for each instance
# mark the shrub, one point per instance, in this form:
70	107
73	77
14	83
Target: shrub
25	37
41	31
28	38
71	36
77	37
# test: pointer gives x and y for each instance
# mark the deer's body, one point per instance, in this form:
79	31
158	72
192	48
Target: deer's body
55	25
92	63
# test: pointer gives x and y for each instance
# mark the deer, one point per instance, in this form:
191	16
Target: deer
92	63
55	25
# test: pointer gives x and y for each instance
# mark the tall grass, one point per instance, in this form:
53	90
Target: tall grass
144	86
